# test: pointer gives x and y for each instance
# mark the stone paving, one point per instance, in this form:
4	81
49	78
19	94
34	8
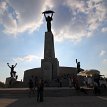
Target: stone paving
51	92
52	101
74	101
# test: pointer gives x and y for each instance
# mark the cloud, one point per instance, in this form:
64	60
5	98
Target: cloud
27	58
9	23
104	29
6	18
73	19
78	19
102	52
22	15
2	9
2	6
104	61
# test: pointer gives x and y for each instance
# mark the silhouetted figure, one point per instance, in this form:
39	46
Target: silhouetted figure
96	89
12	73
16	77
76	82
46	83
35	81
48	19
70	81
40	88
31	86
97	79
60	82
78	66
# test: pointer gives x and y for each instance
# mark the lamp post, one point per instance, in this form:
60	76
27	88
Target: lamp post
48	18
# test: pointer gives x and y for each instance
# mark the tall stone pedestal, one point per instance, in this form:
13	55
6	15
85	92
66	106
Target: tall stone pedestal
50	68
50	64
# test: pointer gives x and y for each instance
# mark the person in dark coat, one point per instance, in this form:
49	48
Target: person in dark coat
40	88
96	89
31	86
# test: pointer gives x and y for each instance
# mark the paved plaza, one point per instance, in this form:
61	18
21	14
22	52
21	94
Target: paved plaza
74	101
70	98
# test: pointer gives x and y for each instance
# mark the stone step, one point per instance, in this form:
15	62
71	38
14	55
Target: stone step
49	92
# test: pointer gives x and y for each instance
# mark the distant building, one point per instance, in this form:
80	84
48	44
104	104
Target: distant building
36	72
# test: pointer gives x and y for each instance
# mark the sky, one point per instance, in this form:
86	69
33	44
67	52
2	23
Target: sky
79	28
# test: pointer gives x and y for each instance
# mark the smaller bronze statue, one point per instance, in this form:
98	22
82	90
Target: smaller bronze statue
48	19
78	66
12	73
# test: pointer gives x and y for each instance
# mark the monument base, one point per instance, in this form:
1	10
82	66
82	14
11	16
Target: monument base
50	68
10	81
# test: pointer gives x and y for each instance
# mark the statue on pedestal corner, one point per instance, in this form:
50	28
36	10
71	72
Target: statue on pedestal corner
12	73
78	66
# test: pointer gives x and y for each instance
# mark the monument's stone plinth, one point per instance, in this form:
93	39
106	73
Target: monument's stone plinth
50	64
10	81
49	68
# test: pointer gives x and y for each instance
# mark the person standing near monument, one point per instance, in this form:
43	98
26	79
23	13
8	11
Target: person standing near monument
40	89
12	73
31	87
76	82
70	82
